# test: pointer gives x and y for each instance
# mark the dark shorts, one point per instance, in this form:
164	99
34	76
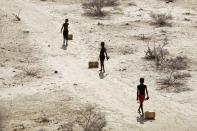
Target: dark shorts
102	58
141	98
65	34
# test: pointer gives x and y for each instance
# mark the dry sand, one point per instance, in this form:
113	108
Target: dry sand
48	100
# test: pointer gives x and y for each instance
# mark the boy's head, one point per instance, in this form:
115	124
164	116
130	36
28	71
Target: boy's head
141	80
66	20
102	44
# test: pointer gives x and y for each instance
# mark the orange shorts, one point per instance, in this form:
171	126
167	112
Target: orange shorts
141	98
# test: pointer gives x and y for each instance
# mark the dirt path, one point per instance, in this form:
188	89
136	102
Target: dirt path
115	94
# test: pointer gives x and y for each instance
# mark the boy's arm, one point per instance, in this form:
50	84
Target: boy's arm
137	94
106	54
147	93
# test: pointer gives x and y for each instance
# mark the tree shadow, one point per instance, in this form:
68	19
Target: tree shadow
102	75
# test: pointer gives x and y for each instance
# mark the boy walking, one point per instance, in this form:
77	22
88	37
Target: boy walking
102	55
141	89
65	32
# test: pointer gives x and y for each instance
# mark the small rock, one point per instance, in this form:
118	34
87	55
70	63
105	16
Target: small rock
49	45
19	127
124	69
26	32
55	72
100	23
186	19
75	84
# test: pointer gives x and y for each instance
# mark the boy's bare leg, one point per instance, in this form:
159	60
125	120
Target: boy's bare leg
139	110
63	41
66	42
103	67
142	109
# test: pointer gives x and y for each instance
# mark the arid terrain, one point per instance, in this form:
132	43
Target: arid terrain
42	85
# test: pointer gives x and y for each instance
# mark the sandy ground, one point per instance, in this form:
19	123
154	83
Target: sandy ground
34	43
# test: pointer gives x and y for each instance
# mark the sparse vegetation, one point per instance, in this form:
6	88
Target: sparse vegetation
178	63
110	2
170	66
161	19
174	79
91	119
157	53
17	16
30	71
181	75
94	7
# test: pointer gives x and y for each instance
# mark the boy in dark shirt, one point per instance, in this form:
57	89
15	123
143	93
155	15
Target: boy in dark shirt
65	32
141	94
102	55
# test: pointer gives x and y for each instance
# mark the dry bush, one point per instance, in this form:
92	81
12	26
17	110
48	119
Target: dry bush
157	53
161	19
168	81
91	119
31	71
175	80
178	63
17	16
93	7
181	75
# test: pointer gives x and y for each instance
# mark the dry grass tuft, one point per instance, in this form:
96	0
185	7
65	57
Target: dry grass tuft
175	81
177	63
157	53
31	71
91	119
161	19
93	7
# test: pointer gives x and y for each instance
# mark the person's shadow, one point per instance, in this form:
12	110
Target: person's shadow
141	119
102	75
64	47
